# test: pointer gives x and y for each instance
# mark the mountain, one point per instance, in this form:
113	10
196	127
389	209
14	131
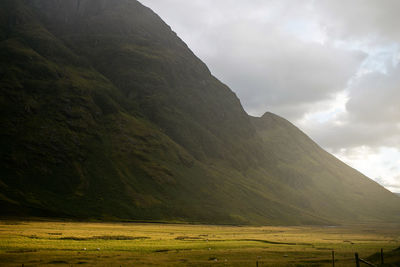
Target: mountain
107	114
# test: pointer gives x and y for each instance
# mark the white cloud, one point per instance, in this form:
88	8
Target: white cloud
375	22
375	97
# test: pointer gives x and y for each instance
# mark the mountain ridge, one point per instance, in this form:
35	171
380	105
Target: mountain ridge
107	114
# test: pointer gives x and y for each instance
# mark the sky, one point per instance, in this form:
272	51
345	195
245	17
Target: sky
331	67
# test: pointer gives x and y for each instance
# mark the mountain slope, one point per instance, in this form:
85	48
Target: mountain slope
106	113
342	191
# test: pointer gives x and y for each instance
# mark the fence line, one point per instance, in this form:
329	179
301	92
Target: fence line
360	260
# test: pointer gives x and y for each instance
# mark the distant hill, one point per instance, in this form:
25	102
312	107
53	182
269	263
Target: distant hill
107	114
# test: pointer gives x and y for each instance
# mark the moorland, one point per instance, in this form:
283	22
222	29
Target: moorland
34	243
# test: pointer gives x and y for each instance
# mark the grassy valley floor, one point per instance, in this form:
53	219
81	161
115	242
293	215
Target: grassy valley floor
34	243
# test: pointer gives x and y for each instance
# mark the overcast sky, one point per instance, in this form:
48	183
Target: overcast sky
329	66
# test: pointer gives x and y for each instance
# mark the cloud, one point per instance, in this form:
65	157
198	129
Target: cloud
371	115
374	99
284	75
374	20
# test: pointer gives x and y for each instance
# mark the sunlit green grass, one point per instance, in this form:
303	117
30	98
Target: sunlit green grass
70	243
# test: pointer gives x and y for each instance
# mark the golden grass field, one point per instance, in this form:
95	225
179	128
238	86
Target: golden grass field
37	243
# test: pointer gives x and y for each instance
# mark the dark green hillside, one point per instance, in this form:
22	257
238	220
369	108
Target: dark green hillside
106	113
155	69
63	131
